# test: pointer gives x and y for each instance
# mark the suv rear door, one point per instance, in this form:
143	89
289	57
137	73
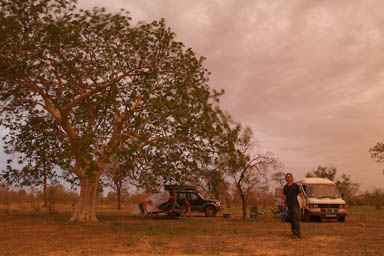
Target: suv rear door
196	202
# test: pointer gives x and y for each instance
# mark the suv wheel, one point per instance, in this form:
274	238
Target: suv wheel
210	211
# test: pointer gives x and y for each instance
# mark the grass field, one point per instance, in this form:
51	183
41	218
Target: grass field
24	232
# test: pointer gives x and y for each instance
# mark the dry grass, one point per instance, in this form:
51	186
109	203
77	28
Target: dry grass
28	232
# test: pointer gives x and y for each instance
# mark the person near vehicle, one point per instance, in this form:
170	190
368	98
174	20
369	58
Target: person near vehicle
187	206
143	206
173	201
290	193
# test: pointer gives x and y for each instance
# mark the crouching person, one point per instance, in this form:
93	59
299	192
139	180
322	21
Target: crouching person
143	206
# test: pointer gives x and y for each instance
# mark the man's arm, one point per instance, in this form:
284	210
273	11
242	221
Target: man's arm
303	198
284	198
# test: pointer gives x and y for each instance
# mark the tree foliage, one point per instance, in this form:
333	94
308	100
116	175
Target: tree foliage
36	151
348	189
377	153
110	88
323	172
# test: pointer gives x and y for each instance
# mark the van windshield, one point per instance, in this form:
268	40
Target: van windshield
322	191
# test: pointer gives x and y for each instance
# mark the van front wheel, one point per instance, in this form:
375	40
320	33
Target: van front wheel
341	219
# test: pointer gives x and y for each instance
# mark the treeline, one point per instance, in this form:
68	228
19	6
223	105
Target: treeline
36	199
58	196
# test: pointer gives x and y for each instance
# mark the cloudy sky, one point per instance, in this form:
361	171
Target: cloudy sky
306	75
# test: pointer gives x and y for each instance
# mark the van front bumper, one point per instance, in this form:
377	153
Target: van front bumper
328	213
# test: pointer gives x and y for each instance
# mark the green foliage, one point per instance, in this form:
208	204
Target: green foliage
36	146
323	172
348	189
108	89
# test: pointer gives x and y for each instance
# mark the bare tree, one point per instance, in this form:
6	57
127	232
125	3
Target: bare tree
248	166
279	178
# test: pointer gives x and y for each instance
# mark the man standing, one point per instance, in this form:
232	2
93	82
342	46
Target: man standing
291	191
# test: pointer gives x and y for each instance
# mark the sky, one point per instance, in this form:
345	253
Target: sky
306	75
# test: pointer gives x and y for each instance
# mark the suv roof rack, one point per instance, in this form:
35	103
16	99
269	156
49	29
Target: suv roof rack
179	188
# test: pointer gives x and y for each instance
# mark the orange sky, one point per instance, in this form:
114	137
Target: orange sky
305	75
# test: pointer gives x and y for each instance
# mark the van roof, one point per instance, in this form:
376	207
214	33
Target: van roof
315	181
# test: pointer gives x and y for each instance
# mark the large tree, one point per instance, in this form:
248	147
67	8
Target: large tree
107	85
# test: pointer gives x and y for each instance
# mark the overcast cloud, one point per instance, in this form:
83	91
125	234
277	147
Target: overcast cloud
306	76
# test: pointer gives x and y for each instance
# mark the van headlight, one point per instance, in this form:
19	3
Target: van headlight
342	206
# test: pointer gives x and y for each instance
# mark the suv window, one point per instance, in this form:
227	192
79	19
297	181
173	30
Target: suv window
193	197
181	195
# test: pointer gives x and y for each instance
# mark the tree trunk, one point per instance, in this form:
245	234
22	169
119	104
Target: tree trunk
118	186
119	198
85	207
244	208
45	189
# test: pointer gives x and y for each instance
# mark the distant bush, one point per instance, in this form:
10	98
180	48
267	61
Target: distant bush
56	194
5	196
372	198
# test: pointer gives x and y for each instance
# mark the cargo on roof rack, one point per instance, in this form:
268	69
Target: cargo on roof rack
179	188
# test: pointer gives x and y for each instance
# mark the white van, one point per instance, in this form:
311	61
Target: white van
323	200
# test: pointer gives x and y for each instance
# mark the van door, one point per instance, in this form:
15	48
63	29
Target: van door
303	204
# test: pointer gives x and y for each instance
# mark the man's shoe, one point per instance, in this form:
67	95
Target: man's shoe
294	236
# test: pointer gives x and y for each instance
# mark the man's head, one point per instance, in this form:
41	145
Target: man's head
289	177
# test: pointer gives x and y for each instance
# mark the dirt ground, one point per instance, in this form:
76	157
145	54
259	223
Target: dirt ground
118	233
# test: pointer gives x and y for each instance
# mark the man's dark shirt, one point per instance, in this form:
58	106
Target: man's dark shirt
291	193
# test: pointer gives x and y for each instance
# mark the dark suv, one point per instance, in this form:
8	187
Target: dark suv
198	204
